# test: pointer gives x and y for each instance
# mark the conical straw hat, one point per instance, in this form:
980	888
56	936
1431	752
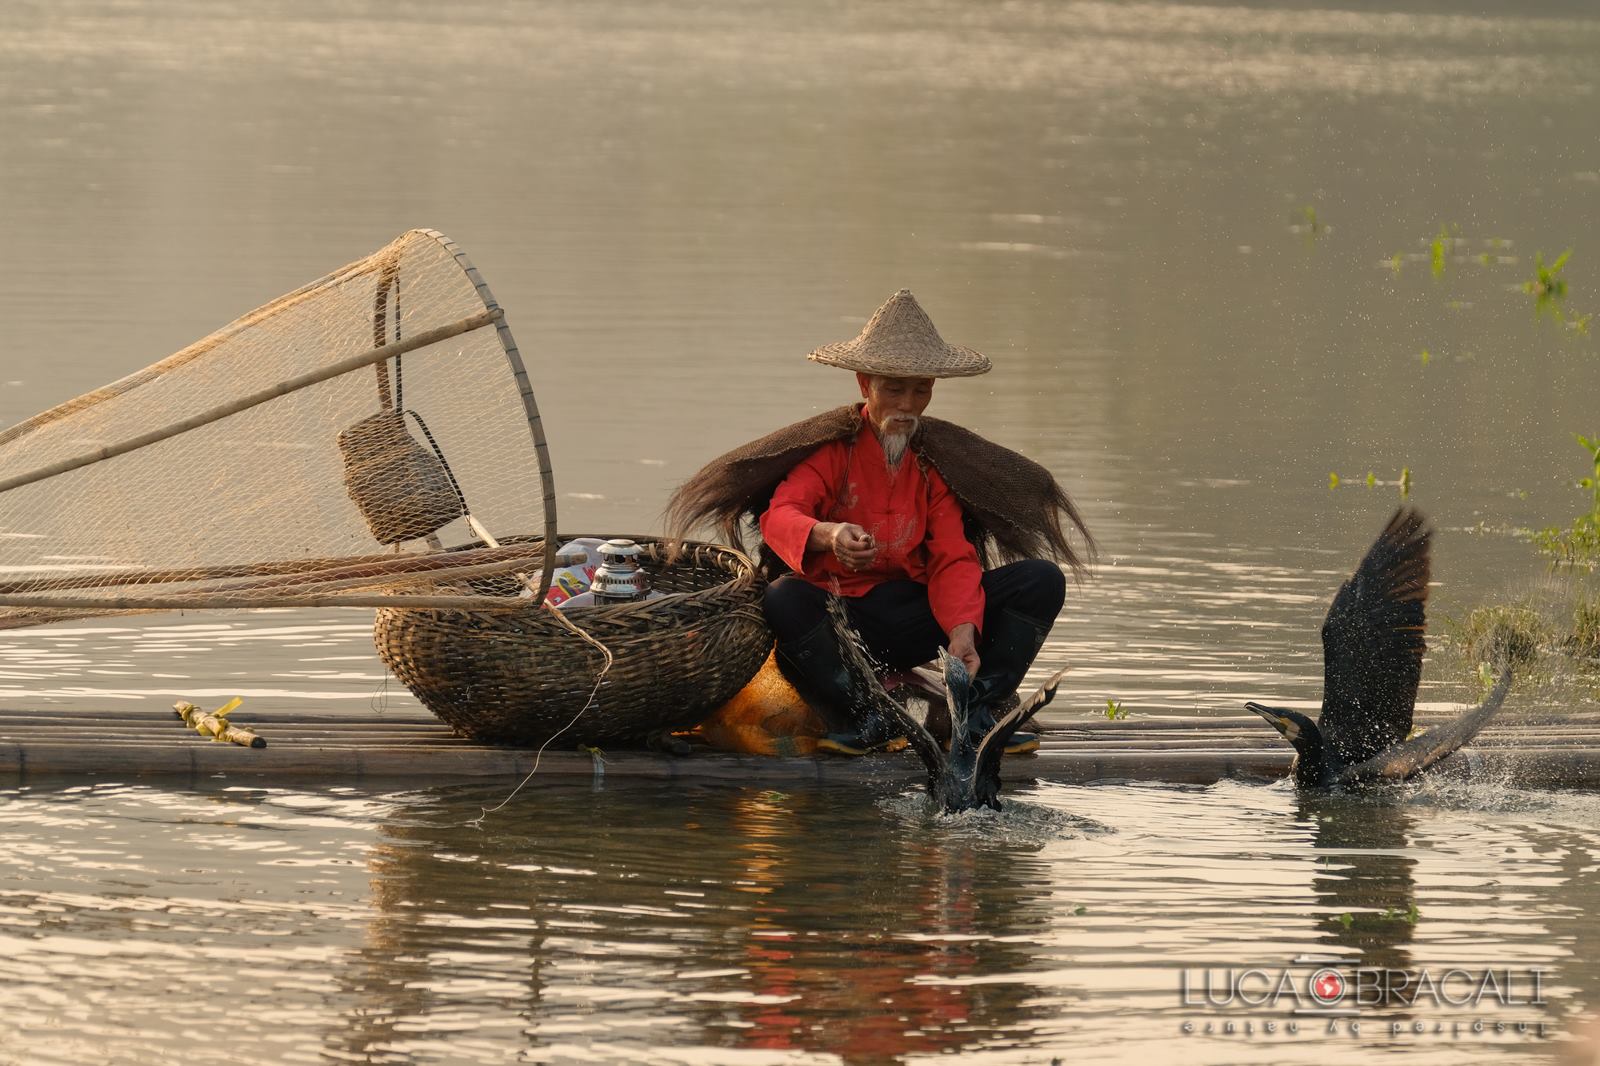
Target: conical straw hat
900	342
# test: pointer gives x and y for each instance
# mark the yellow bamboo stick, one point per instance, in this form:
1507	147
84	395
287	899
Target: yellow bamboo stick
215	724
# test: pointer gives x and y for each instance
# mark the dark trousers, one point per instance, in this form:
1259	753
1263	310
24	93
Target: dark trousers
897	624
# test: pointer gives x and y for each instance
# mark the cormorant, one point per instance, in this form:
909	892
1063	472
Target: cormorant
968	775
1372	646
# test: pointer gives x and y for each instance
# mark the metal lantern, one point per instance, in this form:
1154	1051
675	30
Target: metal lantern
618	579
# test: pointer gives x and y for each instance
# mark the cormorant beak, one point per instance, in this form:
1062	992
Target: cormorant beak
1277	719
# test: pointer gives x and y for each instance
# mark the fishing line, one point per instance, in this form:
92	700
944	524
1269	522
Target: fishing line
539	754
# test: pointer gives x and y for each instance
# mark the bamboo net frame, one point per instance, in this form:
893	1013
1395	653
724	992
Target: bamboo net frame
81	525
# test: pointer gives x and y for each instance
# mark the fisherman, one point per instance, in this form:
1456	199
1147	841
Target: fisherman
899	515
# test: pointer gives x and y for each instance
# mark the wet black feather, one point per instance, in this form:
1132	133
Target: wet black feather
1373	643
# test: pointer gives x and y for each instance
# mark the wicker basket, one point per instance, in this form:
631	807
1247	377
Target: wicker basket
523	677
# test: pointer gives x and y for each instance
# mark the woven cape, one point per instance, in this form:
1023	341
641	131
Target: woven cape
1012	507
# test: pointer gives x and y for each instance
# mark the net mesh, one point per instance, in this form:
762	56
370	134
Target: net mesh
370	435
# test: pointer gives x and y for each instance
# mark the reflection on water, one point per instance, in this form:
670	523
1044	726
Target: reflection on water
630	924
1366	881
791	921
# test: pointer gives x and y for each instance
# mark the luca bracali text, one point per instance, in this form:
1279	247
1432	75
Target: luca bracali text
1356	1001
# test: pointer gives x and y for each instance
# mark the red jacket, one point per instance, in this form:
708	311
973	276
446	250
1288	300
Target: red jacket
914	518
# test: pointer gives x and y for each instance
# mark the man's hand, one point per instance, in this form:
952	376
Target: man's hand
964	646
853	546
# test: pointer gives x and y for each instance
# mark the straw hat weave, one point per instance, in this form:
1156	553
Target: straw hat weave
900	342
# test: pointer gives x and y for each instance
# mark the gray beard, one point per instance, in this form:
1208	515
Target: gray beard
894	444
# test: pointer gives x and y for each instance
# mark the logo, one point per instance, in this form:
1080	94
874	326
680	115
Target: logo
1327	987
1330	996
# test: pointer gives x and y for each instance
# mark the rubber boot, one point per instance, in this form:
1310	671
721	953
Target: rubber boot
1010	645
815	667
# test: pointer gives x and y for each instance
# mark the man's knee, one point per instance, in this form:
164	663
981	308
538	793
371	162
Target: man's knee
1034	587
793	608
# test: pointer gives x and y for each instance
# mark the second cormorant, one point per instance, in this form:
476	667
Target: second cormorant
1372	646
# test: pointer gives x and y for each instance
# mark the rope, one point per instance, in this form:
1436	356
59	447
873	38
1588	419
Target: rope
539	755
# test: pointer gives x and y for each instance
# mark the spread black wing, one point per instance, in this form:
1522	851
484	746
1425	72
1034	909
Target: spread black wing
864	681
993	744
1372	643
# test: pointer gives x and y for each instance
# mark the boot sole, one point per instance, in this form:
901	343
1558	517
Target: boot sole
833	747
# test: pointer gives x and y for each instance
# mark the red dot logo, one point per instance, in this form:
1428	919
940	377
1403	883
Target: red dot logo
1327	987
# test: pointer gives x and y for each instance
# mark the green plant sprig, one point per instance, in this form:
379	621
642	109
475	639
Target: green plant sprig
1372	481
1579	544
1439	250
1547	287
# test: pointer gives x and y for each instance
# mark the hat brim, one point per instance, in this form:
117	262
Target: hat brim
952	361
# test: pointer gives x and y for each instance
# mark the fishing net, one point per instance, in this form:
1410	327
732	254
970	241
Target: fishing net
366	440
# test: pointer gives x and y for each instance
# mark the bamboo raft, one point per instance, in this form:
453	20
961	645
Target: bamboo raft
414	748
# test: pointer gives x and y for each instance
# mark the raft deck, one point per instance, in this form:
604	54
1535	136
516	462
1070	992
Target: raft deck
412	747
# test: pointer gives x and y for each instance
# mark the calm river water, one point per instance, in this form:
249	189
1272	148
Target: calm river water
1196	241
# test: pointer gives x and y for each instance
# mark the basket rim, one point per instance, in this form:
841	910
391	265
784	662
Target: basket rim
743	566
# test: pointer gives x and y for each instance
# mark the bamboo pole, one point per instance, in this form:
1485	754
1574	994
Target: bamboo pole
247	603
145	576
303	594
316	585
301	748
263	575
256	399
445	566
215	724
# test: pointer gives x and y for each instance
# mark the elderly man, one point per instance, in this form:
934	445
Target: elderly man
897	514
